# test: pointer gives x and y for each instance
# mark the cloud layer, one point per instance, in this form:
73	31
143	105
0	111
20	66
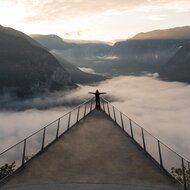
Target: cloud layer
46	10
160	107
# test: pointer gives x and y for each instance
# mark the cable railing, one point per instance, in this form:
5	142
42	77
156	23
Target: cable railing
170	161
19	154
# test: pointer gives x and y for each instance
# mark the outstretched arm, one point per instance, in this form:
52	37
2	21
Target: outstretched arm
91	93
102	93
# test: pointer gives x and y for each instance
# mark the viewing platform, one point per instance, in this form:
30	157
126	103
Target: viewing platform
94	147
94	154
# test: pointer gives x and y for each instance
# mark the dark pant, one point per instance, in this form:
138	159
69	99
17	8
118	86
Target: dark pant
97	105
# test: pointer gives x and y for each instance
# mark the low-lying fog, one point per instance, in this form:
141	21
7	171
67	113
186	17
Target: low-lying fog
160	107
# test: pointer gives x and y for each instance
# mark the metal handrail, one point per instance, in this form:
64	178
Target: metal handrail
148	132
183	178
44	127
67	121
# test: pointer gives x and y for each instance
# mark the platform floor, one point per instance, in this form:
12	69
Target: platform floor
94	154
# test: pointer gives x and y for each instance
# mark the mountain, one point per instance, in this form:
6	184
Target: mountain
172	33
51	41
147	52
67	52
16	33
81	54
146	55
178	67
77	75
26	68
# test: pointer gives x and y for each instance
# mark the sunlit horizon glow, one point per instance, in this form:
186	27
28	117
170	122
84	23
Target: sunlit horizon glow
93	20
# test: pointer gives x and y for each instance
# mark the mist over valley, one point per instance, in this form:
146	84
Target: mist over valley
160	107
43	79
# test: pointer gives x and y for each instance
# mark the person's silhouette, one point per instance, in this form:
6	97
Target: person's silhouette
97	95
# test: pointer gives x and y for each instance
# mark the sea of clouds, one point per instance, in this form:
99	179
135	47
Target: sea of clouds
160	107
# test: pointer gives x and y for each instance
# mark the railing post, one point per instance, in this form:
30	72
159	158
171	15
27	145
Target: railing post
144	145
24	150
78	114
57	133
184	176
103	105
91	105
160	154
131	127
114	114
108	109
188	183
43	138
69	121
122	125
85	110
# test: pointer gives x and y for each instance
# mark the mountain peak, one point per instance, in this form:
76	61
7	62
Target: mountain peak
171	33
27	68
44	36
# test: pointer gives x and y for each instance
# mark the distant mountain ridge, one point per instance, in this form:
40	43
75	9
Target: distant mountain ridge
69	50
147	52
151	51
51	41
26	68
80	54
172	33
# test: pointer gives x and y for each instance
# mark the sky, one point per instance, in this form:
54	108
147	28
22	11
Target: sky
93	19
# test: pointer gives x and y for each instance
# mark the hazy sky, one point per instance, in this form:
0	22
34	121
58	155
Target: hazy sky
93	19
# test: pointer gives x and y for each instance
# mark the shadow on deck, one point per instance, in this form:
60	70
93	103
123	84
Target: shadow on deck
94	154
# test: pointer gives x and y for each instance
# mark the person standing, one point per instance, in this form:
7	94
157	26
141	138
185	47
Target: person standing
97	97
